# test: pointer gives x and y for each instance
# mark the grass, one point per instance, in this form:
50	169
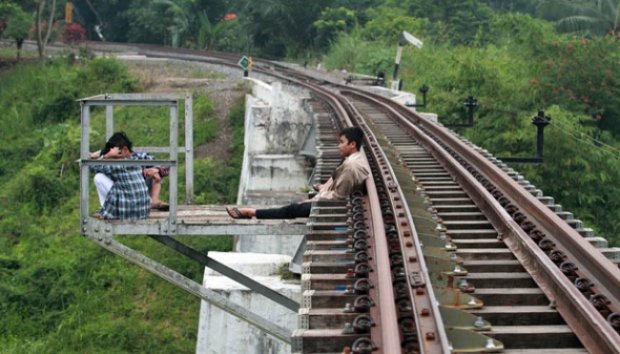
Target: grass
58	291
10	53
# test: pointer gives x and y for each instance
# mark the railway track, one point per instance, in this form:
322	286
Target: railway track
445	252
517	309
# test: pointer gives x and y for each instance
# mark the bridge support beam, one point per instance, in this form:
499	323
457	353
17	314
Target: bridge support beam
179	280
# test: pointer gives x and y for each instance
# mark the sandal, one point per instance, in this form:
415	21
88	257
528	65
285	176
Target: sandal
161	206
236	213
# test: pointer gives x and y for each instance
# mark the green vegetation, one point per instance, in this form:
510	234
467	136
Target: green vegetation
60	293
517	66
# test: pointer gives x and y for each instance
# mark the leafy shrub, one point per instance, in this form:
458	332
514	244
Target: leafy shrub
74	33
57	109
105	75
205	117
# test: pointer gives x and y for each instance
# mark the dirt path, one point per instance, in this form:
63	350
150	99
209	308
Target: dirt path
158	77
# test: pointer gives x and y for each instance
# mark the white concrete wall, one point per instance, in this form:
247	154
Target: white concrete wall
276	124
222	333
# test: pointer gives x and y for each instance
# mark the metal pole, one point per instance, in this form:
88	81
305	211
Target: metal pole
399	53
192	287
223	269
174	171
540	121
84	154
109	121
189	149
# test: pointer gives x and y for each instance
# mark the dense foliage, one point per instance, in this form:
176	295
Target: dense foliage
519	65
59	293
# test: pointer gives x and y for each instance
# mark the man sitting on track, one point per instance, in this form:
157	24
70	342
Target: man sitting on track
349	176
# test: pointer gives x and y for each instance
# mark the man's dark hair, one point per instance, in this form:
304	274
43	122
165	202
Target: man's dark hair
119	140
354	134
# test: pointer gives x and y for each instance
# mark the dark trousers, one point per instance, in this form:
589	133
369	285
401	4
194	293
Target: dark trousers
291	211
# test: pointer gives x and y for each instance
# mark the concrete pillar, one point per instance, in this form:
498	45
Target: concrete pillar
220	332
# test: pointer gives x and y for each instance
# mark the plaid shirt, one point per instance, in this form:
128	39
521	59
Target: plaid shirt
129	197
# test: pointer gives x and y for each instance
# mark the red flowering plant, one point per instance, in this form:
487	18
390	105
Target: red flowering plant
74	33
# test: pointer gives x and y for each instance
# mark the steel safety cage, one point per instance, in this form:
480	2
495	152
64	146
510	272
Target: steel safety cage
109	101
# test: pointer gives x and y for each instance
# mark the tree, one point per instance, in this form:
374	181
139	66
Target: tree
43	40
463	19
223	35
331	22
6	11
17	28
583	75
178	19
586	17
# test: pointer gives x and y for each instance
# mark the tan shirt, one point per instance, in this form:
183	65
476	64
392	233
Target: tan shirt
349	176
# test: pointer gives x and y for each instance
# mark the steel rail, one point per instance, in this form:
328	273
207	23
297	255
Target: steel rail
390	340
431	333
593	330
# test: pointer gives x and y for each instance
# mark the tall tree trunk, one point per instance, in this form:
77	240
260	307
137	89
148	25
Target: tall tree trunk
42	42
19	43
37	25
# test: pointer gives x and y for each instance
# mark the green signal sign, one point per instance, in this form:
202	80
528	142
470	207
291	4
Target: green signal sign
244	62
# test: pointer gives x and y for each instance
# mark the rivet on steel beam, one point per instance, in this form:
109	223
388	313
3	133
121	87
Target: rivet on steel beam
349	290
107	229
409	244
450	246
479	322
490	344
425	312
96	229
413	259
430	336
348	328
85	221
458	269
463	284
350	273
84	230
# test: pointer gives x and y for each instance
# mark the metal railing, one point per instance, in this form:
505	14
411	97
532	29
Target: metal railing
109	101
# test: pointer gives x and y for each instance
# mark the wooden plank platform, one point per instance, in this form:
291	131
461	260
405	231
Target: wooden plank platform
197	220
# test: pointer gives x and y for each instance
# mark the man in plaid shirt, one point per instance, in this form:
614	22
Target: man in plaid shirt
124	190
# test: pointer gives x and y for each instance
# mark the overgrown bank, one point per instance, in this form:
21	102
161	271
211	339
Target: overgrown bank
59	293
517	66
